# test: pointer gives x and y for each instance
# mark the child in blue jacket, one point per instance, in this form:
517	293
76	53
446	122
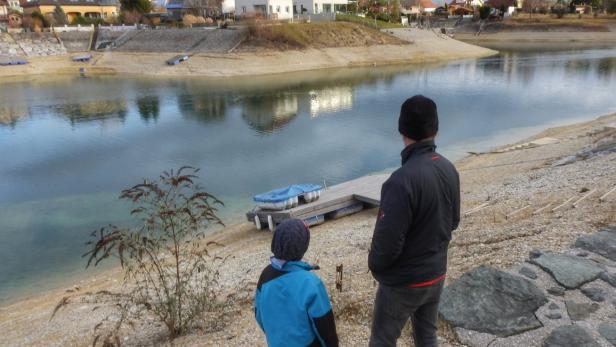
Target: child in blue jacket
291	304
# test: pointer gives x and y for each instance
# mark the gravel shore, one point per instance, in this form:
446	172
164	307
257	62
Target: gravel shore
511	182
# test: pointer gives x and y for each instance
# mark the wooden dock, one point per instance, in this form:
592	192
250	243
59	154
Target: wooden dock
365	190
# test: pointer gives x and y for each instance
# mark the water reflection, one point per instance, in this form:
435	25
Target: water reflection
94	110
330	100
148	107
269	114
9	115
204	108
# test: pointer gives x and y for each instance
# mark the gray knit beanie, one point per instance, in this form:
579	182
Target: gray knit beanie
290	240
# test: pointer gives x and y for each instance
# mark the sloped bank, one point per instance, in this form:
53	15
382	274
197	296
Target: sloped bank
425	46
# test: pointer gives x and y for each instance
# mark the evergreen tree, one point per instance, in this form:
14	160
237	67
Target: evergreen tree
59	16
141	6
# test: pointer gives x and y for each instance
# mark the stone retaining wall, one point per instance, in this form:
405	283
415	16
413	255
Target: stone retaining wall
39	44
8	46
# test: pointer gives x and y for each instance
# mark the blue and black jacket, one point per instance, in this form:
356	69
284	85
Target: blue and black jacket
292	307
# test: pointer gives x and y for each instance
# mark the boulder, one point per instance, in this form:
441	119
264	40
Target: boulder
569	336
608	331
558	291
602	243
491	301
568	270
528	273
594	294
609	278
580	311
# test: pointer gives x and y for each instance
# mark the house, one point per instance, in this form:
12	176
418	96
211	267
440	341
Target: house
467	3
104	9
319	6
427	6
271	9
4	11
204	8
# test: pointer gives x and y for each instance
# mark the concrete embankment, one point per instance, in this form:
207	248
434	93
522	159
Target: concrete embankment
76	41
182	40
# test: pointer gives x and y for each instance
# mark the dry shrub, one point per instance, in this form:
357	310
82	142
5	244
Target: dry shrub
189	20
168	270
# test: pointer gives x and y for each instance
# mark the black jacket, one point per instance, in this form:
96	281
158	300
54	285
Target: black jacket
420	207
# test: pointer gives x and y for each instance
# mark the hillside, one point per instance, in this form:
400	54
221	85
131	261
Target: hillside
314	35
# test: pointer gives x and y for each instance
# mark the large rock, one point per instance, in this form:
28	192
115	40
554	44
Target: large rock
608	331
609	278
568	270
594	294
602	243
580	311
492	301
569	336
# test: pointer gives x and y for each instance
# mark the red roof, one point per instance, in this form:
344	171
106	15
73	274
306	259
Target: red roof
427	4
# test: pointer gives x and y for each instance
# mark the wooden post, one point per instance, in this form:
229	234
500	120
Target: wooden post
339	270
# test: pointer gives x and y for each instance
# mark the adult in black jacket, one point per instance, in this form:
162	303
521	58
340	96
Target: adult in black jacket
420	207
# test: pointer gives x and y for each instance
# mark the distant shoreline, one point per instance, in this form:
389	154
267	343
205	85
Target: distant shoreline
425	47
509	40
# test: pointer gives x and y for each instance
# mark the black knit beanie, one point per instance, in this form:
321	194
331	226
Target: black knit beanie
418	118
290	240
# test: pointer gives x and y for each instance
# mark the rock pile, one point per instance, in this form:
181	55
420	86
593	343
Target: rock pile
8	46
39	44
553	299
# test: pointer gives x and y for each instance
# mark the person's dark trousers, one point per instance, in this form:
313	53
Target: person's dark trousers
395	305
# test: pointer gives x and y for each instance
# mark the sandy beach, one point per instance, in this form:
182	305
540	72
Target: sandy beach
508	178
424	47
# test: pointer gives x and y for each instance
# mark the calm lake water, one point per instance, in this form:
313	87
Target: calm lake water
68	146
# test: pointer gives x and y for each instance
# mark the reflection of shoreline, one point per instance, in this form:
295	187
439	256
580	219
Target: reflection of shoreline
267	114
94	110
330	99
10	115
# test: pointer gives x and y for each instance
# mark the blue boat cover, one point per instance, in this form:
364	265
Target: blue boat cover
282	194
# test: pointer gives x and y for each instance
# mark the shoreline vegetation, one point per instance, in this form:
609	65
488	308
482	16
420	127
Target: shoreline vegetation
541	169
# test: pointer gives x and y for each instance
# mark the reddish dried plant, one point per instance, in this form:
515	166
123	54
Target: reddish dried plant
168	268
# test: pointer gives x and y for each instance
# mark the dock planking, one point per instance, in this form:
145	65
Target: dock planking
366	189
